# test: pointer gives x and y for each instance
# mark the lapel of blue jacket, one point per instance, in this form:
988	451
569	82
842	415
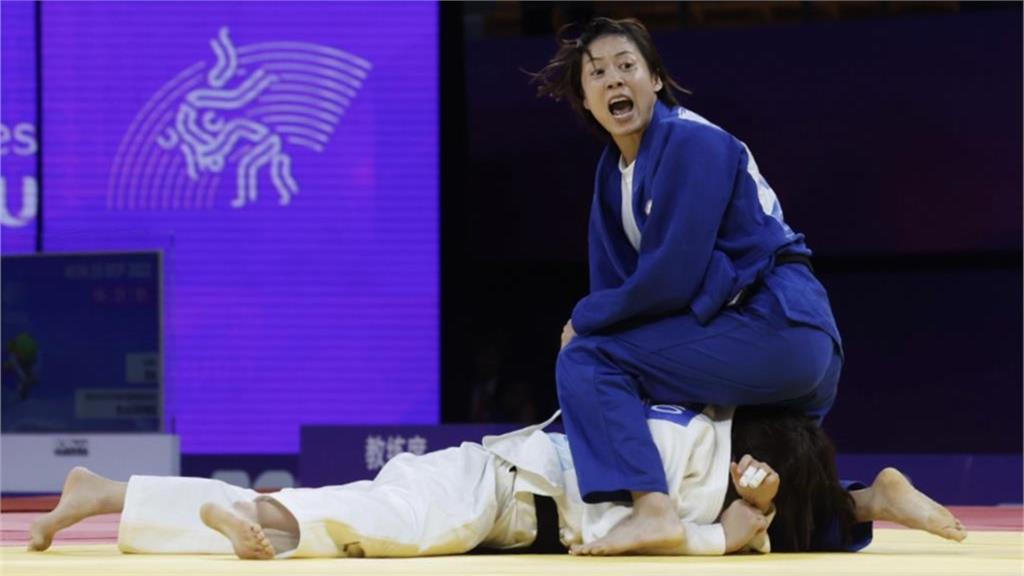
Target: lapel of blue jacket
623	256
651	148
609	185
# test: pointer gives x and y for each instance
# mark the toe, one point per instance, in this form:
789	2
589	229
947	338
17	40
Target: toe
267	550
953	533
38	541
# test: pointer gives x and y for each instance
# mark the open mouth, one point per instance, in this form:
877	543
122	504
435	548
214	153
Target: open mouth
620	106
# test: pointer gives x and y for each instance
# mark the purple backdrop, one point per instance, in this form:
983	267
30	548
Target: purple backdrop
18	142
881	136
286	163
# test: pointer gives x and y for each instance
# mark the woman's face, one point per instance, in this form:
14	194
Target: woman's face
618	88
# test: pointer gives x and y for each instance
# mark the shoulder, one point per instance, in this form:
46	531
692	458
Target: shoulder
685	129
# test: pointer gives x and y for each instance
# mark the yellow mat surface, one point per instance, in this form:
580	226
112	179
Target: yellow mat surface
900	552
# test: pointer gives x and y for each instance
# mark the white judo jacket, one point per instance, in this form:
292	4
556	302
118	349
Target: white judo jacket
449	501
695	450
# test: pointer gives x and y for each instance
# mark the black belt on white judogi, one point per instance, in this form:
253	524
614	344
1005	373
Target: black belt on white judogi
547	540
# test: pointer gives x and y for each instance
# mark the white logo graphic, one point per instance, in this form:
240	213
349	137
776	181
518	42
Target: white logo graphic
19	142
29	203
244	114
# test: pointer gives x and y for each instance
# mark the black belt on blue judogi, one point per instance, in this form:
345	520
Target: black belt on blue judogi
794	259
780	260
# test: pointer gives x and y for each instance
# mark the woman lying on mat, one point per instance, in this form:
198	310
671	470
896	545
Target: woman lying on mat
518	491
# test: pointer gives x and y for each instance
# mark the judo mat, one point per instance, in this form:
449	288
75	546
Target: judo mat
995	546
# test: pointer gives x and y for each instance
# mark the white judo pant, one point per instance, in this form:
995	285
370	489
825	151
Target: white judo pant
444	502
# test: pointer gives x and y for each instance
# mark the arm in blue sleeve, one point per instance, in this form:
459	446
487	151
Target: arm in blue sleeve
603	274
692	187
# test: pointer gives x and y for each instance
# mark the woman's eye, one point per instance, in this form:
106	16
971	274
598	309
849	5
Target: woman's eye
627	66
596	72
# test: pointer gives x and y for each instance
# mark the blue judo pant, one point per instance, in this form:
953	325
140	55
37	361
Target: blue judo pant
747	355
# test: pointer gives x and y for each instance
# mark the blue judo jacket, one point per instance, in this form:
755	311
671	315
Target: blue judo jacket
710	226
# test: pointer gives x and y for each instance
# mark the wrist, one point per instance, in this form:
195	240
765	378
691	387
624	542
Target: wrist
768	509
763	507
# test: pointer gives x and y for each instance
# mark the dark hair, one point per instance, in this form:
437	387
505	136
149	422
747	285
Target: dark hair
811	500
560	78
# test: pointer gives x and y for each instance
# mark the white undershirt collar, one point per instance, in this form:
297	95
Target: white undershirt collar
628	218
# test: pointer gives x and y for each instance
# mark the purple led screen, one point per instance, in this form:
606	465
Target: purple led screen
284	156
18	142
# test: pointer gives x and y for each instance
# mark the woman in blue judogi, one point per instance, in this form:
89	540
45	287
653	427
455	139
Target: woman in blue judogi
699	291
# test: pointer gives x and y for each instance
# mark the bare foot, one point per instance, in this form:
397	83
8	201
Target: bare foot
652	528
246	536
895	499
85	494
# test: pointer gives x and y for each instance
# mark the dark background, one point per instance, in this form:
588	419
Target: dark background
891	133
